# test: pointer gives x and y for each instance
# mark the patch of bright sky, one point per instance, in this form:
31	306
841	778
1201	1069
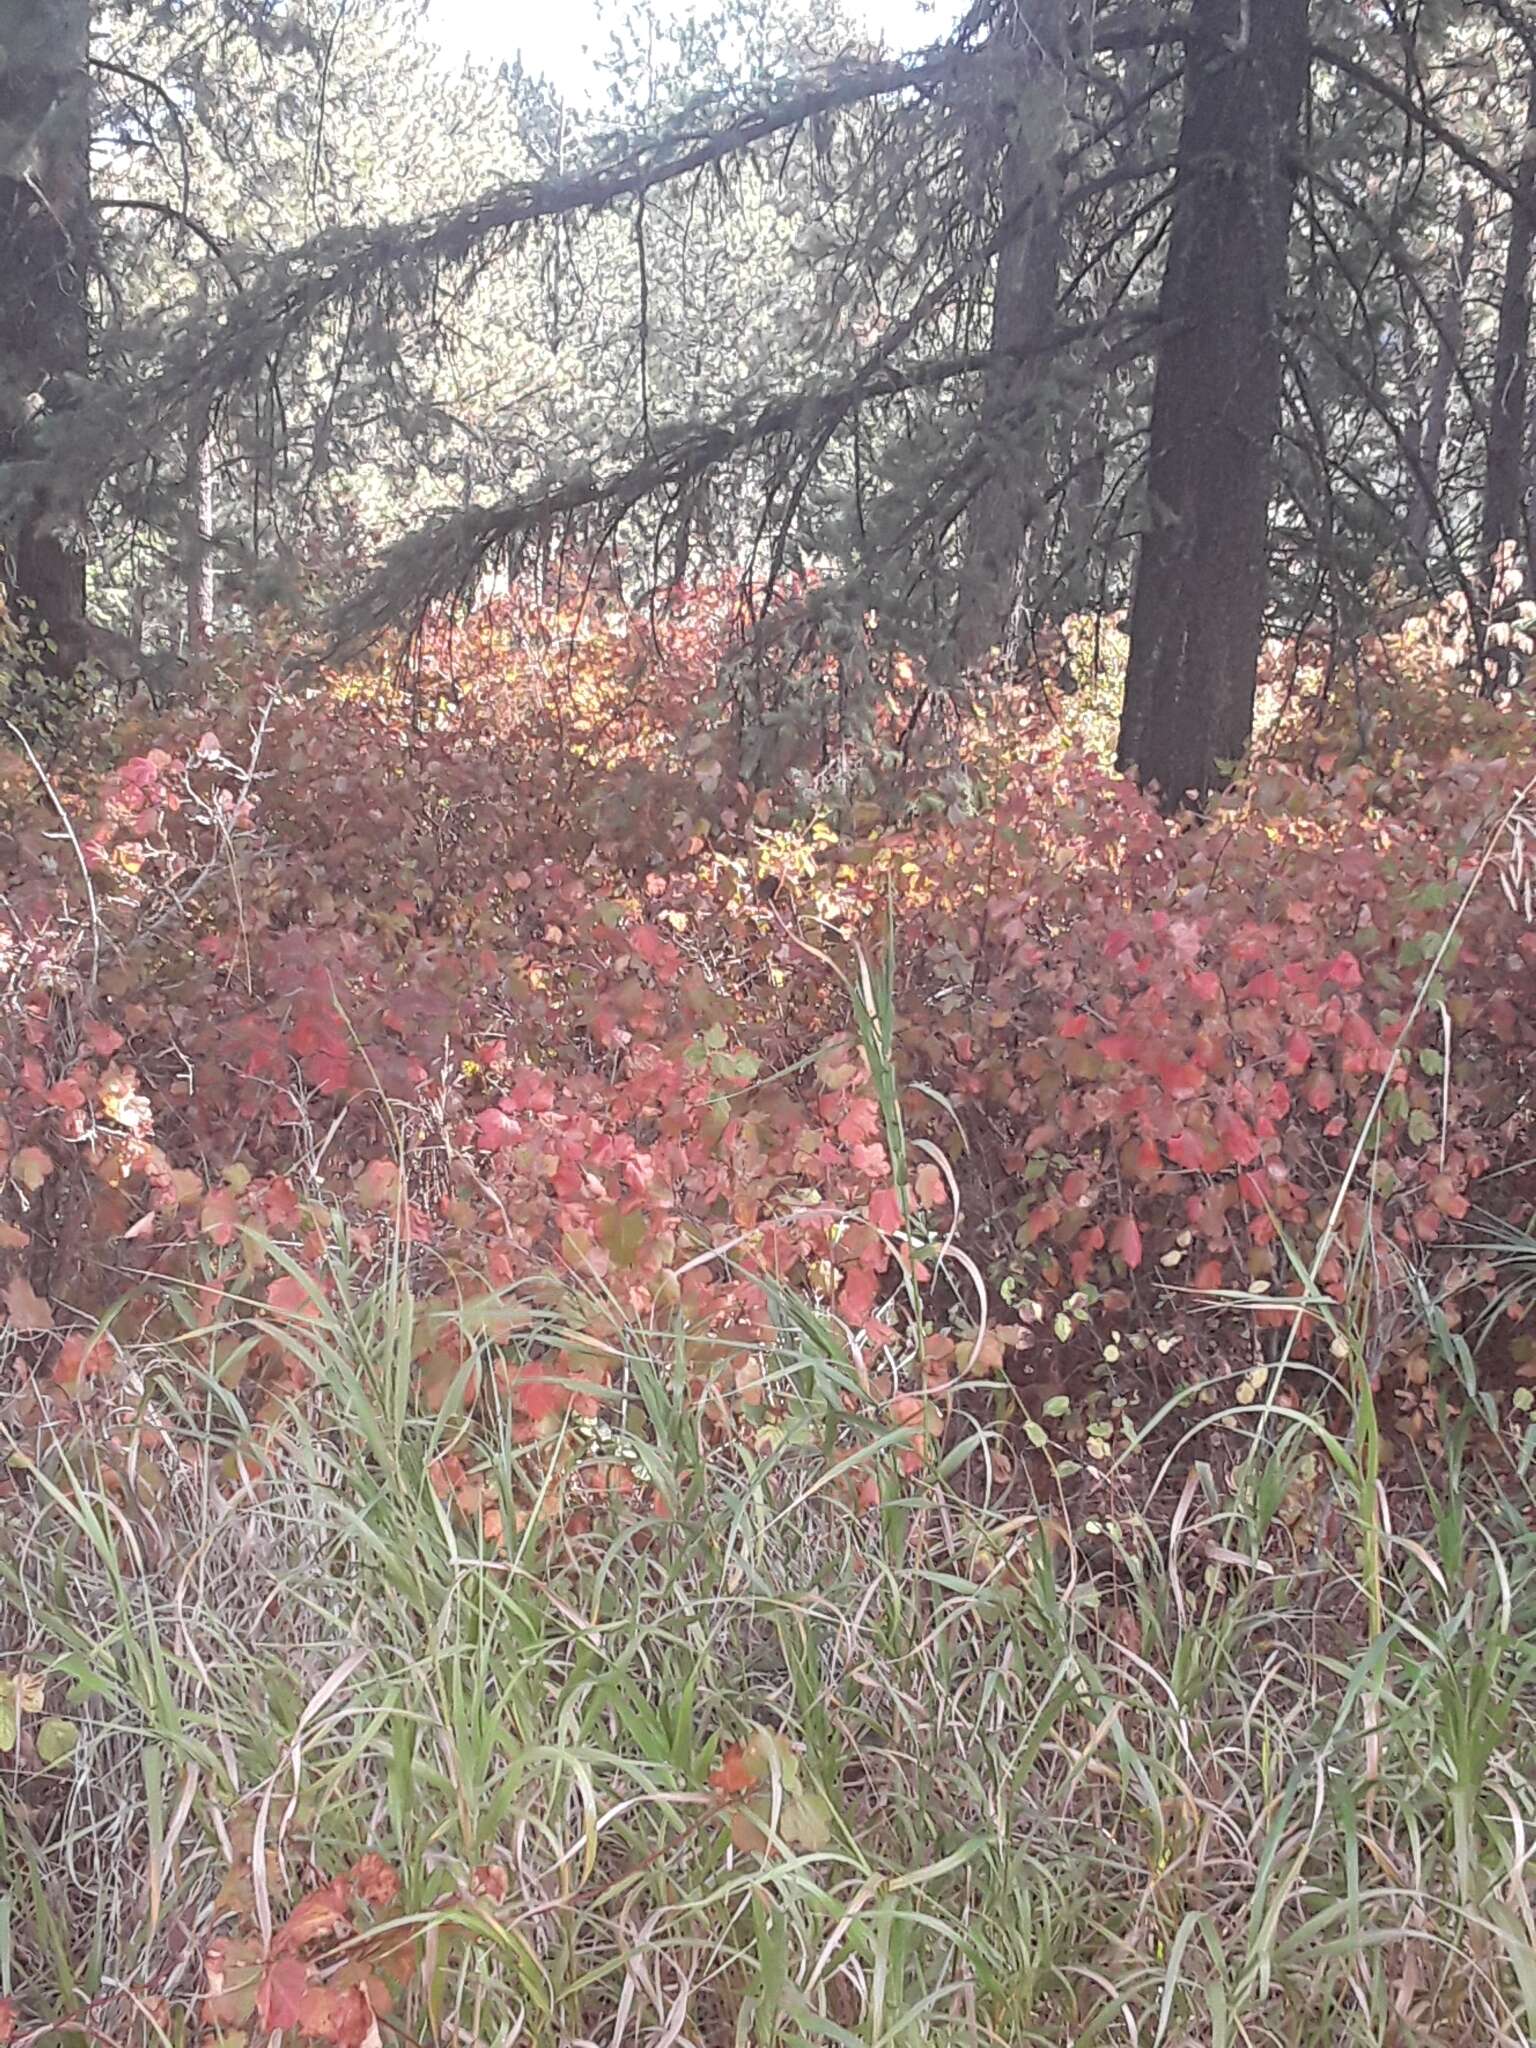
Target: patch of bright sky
555	36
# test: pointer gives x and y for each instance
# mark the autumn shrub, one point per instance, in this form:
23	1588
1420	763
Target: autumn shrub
507	955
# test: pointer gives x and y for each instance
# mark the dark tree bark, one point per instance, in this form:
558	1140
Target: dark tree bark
1450	332
1197	616
45	224
1503	527
1024	125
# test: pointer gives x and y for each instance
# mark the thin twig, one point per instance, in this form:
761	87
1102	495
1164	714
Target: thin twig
74	839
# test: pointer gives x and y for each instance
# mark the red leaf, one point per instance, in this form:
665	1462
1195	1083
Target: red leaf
327	1072
281	1993
535	1394
220	1217
860	1124
290	1297
659	954
1144	1160
856	1302
1241	1144
1181	1078
1186	1149
1344	969
1319	1089
494	1130
1118	1045
885	1210
1040	1220
1298	1053
1126	1240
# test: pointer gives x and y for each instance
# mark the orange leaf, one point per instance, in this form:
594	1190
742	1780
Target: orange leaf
339	2014
319	1916
374	1880
734	1774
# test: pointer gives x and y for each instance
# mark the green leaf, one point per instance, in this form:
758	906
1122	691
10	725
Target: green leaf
1421	1127
56	1740
805	1823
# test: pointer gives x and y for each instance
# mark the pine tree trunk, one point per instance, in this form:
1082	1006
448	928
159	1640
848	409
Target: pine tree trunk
1450	331
1503	527
44	335
1025	118
1197	616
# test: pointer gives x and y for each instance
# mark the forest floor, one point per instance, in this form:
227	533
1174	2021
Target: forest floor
639	1412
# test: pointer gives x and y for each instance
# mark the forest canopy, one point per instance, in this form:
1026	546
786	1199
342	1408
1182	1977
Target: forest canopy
1216	313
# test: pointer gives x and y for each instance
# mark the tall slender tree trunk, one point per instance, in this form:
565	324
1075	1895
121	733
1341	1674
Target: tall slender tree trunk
1026	118
1503	527
1197	616
198	564
1450	332
45	222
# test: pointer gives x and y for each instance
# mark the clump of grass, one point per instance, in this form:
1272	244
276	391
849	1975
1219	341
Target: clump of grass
1098	1785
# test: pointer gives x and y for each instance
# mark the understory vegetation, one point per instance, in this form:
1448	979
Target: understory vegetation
767	1025
645	1410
